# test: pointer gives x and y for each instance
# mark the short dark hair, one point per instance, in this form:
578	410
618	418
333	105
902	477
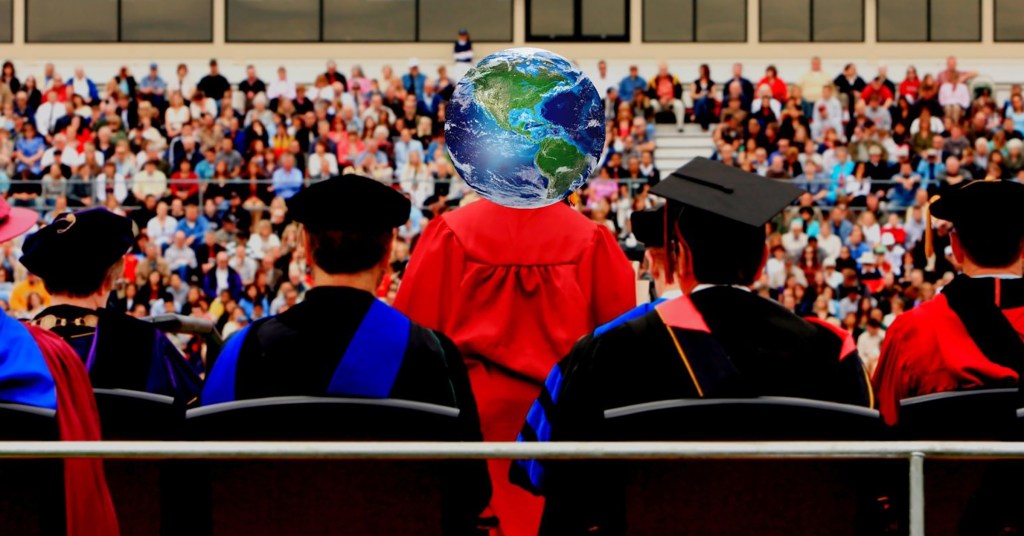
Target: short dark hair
348	252
991	245
81	285
723	251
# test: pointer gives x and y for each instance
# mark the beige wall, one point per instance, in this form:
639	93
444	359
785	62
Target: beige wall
1000	60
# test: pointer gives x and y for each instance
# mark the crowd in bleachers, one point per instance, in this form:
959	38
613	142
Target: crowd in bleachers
203	165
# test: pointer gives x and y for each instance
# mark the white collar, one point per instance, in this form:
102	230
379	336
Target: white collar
701	287
671	294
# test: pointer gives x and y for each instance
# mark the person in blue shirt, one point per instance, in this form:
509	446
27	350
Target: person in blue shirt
931	168
194	224
287	179
631	83
414	80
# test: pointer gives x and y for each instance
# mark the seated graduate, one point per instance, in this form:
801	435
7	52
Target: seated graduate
969	336
38	369
80	257
717	340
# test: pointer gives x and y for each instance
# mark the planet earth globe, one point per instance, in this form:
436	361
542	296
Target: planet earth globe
525	128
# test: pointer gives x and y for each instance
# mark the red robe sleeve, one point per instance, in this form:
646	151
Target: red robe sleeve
90	510
608	275
890	379
434	272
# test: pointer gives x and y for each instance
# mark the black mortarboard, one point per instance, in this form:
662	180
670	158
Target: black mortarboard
992	203
82	244
727	192
349	202
648	226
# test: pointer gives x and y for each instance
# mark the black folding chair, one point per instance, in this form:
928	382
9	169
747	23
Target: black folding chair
974	414
31	492
332	497
722	497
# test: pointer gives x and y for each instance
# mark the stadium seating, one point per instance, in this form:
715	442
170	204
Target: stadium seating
310	497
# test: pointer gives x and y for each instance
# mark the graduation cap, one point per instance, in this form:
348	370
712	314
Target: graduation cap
349	202
14	221
726	191
712	203
983	212
78	246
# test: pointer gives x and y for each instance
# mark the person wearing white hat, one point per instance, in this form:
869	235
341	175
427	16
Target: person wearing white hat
795	241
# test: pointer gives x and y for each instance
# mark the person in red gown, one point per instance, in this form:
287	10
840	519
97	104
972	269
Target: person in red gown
39	369
970	336
514	289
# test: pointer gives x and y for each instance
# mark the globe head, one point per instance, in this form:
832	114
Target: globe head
525	128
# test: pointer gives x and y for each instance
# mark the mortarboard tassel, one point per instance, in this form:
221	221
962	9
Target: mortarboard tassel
929	235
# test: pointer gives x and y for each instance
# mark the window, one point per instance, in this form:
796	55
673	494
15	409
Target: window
929	20
7	11
266	20
681	21
367	20
486	20
107	21
160	20
1009	17
804	21
577	20
71	21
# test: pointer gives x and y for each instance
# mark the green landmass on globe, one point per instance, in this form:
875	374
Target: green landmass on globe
525	128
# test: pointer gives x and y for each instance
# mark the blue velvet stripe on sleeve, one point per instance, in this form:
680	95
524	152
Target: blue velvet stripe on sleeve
24	376
220	384
631	314
538	426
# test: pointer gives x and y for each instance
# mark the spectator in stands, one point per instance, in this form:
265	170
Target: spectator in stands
49	114
251	87
180	257
222	278
702	93
906	183
850	85
287	180
414	81
631	83
880	91
667	94
152	87
955	99
181	81
779	89
83	86
194	224
282	88
812	82
214	85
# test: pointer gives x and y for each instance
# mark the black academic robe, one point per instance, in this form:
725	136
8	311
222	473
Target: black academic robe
300	353
123	352
734	344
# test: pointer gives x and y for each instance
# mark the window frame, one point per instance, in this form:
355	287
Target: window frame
11	25
120	33
928	27
320	24
810	26
577	36
694	40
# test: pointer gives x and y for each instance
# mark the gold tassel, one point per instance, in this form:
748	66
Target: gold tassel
929	234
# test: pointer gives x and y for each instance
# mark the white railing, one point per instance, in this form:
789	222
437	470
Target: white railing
913	451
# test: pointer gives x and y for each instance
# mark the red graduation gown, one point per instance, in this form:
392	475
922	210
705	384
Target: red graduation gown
928	350
90	510
514	289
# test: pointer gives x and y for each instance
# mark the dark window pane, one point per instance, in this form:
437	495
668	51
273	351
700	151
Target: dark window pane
1009	20
71	21
552	18
161	20
486	20
668	20
6	21
722	21
268	20
839	21
902	20
956	20
603	18
785	20
370	20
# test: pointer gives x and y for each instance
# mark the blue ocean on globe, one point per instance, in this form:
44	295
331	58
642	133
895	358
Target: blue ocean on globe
525	128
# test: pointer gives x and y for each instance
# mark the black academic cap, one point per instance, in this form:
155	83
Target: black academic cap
726	191
82	244
649	226
992	203
349	202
